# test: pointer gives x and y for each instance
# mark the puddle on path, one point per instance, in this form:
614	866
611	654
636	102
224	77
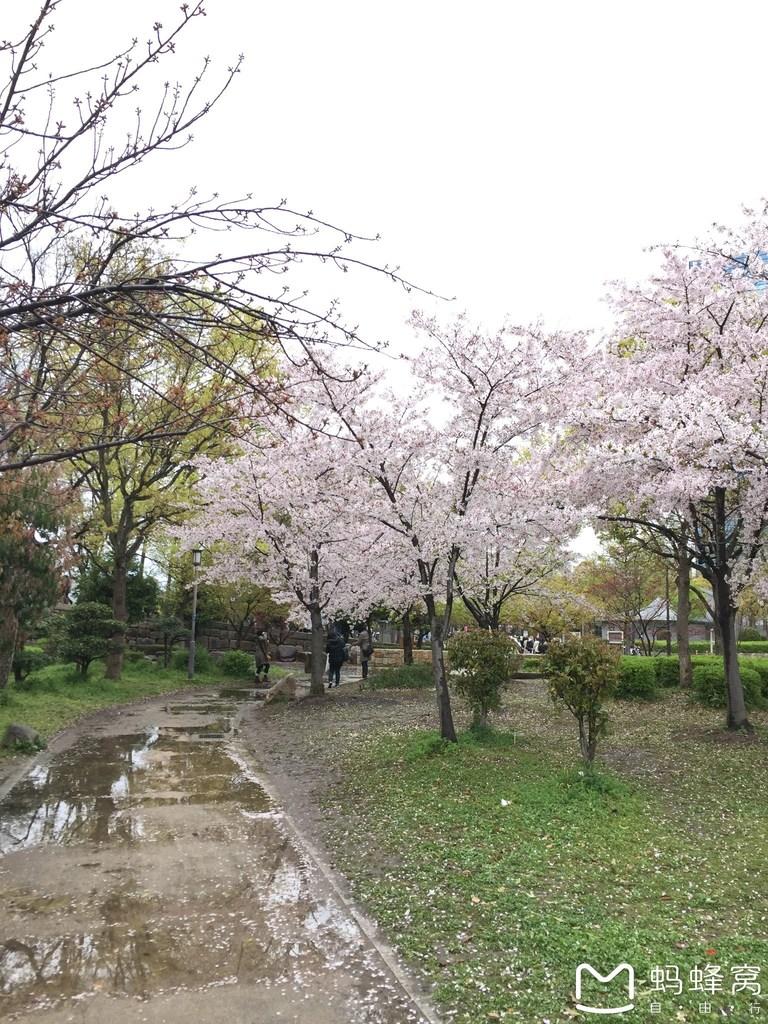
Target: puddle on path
149	862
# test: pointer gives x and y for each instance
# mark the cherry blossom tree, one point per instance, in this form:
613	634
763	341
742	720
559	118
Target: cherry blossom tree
279	516
510	556
674	419
430	476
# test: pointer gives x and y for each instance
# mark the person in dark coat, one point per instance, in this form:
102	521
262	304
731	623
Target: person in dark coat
335	649
261	657
366	649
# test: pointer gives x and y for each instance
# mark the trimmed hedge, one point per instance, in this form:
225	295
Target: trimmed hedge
709	686
637	680
667	671
402	677
759	665
744	646
753	647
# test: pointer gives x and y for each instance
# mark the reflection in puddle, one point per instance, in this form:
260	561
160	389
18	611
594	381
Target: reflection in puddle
154	862
89	793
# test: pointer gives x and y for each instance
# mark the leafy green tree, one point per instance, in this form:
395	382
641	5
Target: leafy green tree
32	517
96	583
171	630
481	663
582	672
136	491
627	584
83	633
243	606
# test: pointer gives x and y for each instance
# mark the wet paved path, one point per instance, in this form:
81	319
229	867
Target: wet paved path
146	876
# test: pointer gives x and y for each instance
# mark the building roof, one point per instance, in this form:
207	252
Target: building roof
656	611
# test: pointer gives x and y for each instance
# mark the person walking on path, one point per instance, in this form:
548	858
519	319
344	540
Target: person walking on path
261	656
366	649
335	649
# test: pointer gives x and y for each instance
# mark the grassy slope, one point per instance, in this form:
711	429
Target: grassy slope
57	697
500	903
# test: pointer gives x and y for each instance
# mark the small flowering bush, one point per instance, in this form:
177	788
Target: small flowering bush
582	672
482	663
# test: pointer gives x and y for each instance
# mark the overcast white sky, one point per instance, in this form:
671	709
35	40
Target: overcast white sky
515	155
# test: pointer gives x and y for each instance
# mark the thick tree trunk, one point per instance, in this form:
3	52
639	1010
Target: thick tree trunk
683	619
447	730
317	647
114	660
407	638
9	629
726	618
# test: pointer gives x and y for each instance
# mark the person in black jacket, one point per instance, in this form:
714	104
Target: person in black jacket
335	649
261	657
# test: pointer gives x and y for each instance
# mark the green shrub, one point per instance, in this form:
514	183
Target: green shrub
27	660
750	634
140	666
203	659
753	647
759	665
133	657
637	680
237	663
426	744
403	677
84	633
20	746
481	663
709	686
582	672
667	671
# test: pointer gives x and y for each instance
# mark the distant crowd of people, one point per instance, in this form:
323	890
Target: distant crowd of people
337	649
531	644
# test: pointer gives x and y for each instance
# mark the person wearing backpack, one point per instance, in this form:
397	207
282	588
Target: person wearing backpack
335	648
366	649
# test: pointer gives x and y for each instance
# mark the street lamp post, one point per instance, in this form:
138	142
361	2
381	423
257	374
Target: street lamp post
197	557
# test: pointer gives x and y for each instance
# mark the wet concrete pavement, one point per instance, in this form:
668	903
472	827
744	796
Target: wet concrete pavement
145	875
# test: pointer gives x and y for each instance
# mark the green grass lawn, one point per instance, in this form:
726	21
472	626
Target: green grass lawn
662	862
55	697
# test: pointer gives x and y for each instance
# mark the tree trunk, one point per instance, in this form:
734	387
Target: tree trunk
447	730
683	581
407	638
587	744
114	659
628	636
9	628
317	647
726	618
480	719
